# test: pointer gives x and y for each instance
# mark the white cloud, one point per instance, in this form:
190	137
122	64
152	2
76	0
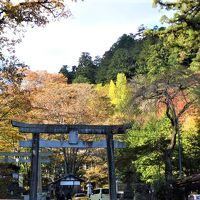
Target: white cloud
54	47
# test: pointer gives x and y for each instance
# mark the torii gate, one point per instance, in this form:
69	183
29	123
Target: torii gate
43	158
73	130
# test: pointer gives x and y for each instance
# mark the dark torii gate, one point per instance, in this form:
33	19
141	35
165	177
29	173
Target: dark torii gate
73	130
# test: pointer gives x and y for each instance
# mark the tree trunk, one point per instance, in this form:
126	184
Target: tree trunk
168	165
168	174
174	119
168	159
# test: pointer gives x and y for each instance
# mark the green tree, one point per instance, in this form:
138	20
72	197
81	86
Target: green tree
183	32
121	62
69	74
146	143
149	142
86	69
168	86
171	72
119	59
125	56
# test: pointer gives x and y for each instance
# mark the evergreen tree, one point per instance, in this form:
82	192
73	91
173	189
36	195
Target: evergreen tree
119	59
86	70
70	75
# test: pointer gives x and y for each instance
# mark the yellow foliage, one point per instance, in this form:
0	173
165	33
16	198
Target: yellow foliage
112	92
190	124
98	174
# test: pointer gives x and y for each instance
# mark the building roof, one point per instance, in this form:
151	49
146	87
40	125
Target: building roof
193	180
69	177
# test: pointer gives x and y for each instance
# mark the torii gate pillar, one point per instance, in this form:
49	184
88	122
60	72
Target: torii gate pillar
34	166
111	165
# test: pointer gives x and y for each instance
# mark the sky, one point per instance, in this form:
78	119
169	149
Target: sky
95	25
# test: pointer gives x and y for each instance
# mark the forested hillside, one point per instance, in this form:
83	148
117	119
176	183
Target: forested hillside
124	56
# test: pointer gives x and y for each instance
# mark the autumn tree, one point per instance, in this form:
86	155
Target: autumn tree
14	103
97	169
119	92
172	73
14	18
191	143
55	101
172	89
